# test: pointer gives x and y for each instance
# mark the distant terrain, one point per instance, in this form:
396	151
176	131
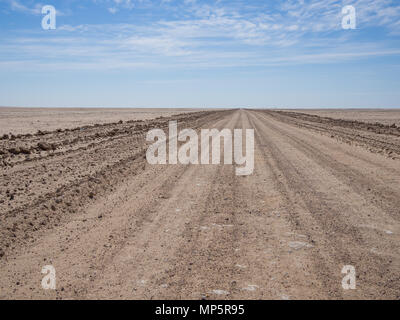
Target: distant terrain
29	120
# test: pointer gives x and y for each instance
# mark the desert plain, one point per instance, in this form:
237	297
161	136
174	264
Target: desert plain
77	193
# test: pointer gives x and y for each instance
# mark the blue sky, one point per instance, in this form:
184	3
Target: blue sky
192	53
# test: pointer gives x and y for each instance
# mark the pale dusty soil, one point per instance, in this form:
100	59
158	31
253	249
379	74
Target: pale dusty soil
324	194
29	120
385	116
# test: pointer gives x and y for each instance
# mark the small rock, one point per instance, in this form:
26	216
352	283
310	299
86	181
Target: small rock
251	287
44	146
24	150
297	245
15	150
220	292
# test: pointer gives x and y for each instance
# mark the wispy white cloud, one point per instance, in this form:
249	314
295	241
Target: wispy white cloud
220	33
113	10
18	6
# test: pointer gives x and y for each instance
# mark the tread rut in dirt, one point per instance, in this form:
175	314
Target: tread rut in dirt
324	194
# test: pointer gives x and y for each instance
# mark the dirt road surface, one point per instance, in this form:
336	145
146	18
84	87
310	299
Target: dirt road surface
324	194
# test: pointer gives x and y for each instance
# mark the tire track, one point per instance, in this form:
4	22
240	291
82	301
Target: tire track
341	242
